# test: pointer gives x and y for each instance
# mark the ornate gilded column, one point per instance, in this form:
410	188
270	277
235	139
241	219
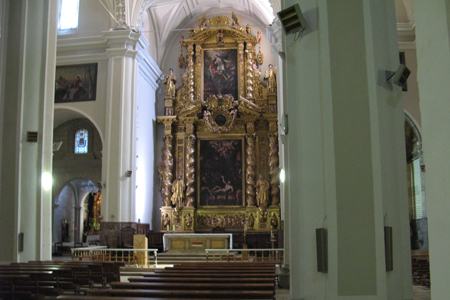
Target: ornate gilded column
190	169
241	68
198	73
250	169
273	166
191	78
249	69
167	176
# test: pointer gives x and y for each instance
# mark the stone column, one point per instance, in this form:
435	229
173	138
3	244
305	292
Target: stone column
119	147
27	84
346	169
433	60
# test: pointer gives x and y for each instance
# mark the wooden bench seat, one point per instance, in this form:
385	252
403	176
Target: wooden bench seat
190	279
195	294
193	286
209	275
82	297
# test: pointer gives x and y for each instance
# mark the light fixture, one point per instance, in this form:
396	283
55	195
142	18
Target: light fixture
282	176
46	181
128	173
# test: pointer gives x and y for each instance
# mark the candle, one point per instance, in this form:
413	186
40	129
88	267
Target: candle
173	227
168	228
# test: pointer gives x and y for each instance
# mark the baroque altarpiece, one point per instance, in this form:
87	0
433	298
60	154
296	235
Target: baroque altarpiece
220	164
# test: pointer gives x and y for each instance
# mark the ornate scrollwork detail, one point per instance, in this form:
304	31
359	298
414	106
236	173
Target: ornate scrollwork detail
220	220
250	170
219	21
190	170
273	166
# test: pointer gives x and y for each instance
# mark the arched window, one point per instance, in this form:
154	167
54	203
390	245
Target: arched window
81	141
68	16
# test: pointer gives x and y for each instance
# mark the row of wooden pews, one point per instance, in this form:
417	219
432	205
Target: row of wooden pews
194	280
39	279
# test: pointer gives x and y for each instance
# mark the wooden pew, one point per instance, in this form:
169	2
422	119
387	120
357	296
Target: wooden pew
192	294
190	279
193	286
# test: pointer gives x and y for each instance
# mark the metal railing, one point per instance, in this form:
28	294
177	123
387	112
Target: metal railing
246	255
141	257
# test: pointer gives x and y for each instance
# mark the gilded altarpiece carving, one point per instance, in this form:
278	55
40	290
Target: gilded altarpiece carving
220	136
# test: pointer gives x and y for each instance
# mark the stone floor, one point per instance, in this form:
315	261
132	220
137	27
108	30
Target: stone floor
421	293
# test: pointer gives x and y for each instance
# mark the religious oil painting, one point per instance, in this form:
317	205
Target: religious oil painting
220	73
76	83
221	179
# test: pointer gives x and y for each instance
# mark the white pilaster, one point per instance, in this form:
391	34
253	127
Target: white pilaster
27	85
345	148
118	158
433	59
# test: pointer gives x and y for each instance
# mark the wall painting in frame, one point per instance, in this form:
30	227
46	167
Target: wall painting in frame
76	83
221	172
220	73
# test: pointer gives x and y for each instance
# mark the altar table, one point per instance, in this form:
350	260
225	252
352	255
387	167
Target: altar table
196	242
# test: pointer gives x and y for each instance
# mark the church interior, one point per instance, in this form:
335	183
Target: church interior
322	137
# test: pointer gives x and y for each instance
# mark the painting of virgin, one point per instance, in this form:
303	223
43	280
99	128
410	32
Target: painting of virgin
220	73
220	173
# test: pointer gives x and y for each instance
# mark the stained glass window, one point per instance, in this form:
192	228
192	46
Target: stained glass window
81	141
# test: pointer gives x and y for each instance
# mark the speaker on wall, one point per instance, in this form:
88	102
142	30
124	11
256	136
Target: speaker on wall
322	250
292	19
388	249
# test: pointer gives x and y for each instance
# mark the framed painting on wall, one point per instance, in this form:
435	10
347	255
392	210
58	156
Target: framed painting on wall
220	165
220	74
76	83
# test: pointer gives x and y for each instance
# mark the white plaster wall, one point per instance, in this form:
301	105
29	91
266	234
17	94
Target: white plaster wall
411	101
145	148
433	56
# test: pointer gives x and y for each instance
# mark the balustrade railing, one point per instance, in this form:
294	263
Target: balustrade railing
141	257
248	255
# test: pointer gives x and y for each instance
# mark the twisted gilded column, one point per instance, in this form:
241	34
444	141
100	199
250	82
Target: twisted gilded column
190	169
250	169
190	70
249	64
273	167
241	61
167	176
198	74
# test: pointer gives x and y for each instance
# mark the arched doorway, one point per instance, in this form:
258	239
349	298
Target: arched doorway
416	186
76	211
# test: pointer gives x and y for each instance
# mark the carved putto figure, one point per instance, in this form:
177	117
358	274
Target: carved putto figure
251	221
188	220
166	222
170	80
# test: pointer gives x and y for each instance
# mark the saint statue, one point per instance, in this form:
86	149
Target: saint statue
178	192
262	191
170	80
64	230
274	222
270	76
